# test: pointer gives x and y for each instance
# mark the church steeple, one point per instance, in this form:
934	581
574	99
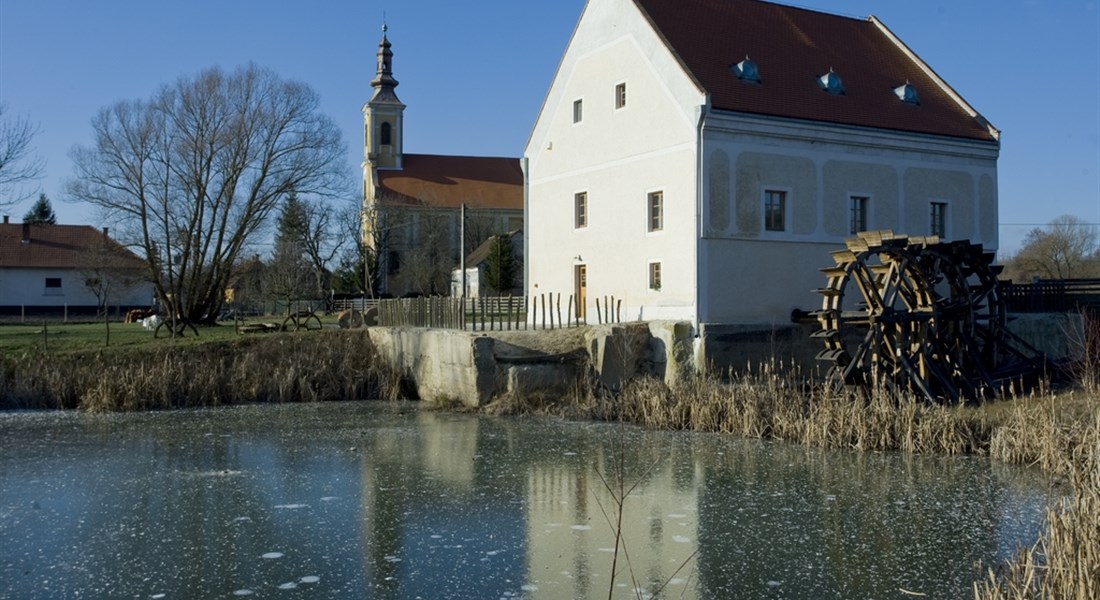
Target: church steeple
383	116
383	82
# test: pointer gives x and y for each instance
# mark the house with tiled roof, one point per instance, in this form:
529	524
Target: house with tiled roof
478	263
698	160
51	269
413	204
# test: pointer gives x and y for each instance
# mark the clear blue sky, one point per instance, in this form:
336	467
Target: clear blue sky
473	74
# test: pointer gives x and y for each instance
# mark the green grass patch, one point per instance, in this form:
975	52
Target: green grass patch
56	337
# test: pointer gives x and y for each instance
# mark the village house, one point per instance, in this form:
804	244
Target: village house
68	269
479	281
699	159
412	203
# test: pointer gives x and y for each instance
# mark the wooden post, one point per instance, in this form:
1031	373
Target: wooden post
558	306
542	298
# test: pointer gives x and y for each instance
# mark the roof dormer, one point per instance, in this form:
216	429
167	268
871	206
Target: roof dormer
831	83
907	94
746	70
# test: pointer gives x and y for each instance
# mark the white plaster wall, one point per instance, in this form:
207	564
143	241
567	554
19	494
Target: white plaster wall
27	287
718	263
616	156
750	275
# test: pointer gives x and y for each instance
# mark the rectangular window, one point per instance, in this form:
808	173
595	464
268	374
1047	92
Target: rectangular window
775	207
580	210
939	219
857	215
655	276
656	221
393	263
620	95
53	286
578	111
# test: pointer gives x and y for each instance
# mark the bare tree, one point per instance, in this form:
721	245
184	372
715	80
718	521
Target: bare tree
1066	248
386	227
288	277
322	240
195	172
355	272
426	268
109	270
18	164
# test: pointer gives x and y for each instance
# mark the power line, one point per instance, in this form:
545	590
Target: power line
1048	224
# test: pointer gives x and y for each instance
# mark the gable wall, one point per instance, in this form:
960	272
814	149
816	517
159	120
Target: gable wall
751	275
617	157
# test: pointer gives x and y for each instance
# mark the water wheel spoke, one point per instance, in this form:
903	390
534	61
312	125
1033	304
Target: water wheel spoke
927	314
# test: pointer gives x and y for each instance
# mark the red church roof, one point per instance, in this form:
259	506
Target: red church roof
792	48
450	181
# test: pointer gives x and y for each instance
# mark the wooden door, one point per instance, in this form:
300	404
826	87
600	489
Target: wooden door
580	278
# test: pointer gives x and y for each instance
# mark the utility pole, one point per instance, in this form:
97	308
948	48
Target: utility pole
462	251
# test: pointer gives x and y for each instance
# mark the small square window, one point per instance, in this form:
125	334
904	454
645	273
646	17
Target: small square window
620	95
53	286
857	215
775	207
578	111
655	276
580	210
938	219
656	220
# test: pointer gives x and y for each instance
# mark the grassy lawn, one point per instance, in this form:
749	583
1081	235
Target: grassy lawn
69	337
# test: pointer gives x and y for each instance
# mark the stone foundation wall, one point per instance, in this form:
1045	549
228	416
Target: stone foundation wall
446	366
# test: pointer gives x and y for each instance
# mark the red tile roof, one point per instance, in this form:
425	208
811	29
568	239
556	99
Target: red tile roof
51	246
449	181
792	47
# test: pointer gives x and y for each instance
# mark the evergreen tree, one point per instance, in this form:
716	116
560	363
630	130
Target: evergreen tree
41	213
293	221
500	266
288	276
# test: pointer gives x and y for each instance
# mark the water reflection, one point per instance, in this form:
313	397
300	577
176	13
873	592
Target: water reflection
385	501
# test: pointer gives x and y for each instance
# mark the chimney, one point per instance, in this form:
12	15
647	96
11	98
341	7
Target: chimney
26	233
5	219
106	232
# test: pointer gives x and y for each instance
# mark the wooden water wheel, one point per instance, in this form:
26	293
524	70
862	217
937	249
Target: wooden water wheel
915	313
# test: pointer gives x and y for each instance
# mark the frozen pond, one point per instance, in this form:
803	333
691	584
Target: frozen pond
375	500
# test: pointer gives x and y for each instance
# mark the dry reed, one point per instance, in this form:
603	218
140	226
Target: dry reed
336	365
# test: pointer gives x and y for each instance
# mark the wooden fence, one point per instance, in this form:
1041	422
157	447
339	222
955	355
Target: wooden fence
496	313
1052	295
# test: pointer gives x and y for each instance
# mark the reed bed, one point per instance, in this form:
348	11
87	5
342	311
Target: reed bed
318	366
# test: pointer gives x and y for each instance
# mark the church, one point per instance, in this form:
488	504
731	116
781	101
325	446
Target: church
413	203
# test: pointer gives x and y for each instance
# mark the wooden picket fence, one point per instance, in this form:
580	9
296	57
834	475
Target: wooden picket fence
495	313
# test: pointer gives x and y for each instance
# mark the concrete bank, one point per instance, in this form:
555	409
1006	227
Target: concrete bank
446	366
456	367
